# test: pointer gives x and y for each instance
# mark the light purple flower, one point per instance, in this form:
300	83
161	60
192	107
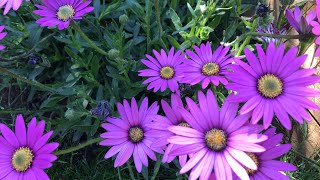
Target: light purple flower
25	154
2	35
217	140
160	126
61	12
300	23
163	70
268	168
205	66
129	135
271	29
316	28
274	84
10	4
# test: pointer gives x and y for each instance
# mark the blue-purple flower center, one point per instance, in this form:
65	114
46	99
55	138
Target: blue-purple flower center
167	72
136	134
255	160
21	159
65	12
270	86
216	139
210	69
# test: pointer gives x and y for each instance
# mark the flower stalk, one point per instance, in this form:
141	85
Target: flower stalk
76	148
89	41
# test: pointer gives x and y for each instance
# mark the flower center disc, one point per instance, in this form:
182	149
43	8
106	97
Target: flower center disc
65	12
216	139
210	69
22	159
167	72
136	134
184	124
255	160
270	86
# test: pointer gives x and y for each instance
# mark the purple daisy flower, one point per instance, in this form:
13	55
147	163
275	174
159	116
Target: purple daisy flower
25	154
268	168
58	12
218	140
164	71
271	29
300	23
160	126
274	84
205	66
129	135
10	4
2	35
316	28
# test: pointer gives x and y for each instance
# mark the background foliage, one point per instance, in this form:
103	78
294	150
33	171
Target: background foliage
56	75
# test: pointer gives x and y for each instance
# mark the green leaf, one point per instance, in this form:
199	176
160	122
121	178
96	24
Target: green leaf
175	19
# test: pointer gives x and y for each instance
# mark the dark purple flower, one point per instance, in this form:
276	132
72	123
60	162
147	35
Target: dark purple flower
271	29
217	140
205	67
274	84
129	135
61	12
103	110
268	168
25	154
300	23
163	70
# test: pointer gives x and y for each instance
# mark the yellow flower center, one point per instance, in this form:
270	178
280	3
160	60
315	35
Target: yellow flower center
184	124
22	159
270	86
255	160
216	139
136	134
210	69
65	12
167	72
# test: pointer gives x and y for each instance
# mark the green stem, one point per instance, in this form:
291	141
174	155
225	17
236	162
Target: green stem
305	158
248	38
130	171
300	36
25	80
119	174
156	168
31	50
89	41
72	149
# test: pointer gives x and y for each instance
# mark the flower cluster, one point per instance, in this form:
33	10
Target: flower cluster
203	66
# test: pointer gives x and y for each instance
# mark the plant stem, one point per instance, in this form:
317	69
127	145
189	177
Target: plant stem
130	171
156	168
305	158
31	50
90	42
300	36
25	80
248	38
72	149
119	174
